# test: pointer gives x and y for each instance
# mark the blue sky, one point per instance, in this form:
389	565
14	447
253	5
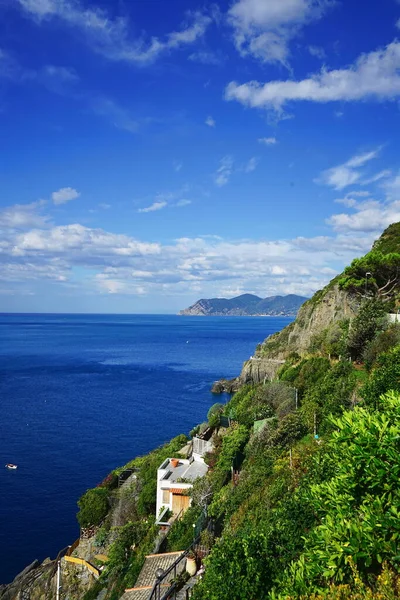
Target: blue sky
157	152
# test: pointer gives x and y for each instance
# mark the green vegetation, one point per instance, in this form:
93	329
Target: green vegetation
128	543
306	504
375	273
314	517
93	507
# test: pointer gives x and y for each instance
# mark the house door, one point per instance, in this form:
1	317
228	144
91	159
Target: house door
179	503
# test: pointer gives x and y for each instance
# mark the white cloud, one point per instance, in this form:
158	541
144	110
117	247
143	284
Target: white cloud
177	164
346	174
64	195
206	58
268	141
264	29
317	51
110	37
224	171
349	199
159	205
113	112
210	122
374	76
378	177
23	216
201	266
392	187
183	202
251	165
370	215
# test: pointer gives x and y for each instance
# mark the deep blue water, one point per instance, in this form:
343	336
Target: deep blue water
83	394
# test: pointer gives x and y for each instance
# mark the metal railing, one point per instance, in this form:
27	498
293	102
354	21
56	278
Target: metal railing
171	592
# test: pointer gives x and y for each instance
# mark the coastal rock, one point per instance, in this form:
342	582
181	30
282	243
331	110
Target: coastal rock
258	370
228	386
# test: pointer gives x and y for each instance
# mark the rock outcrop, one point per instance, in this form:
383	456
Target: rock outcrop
325	309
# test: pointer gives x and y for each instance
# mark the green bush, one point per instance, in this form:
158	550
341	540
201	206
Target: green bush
181	534
93	507
358	507
384	377
370	320
383	342
213	415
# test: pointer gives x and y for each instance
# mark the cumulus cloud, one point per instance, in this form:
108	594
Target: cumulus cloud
370	215
64	195
224	171
210	122
22	216
264	29
268	141
347	174
110	37
201	266
373	76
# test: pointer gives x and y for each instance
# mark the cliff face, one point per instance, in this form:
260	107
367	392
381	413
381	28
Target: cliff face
322	312
325	308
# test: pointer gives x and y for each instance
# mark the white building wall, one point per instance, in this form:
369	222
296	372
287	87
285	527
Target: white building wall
394	317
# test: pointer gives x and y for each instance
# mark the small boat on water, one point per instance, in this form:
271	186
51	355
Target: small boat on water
11	466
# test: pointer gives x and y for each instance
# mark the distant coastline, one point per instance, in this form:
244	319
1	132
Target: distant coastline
246	305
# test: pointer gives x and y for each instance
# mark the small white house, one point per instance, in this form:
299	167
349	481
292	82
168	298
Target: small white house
175	478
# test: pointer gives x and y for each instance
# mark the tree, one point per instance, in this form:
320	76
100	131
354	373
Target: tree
374	274
370	320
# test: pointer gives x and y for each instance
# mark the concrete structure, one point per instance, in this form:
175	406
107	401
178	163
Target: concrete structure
175	478
394	317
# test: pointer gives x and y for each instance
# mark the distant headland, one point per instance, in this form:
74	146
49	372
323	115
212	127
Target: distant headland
246	305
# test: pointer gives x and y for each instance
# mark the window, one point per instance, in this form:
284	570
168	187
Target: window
165	496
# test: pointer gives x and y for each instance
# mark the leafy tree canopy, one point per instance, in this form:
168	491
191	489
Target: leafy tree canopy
375	273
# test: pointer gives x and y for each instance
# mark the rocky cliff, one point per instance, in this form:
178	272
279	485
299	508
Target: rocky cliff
322	313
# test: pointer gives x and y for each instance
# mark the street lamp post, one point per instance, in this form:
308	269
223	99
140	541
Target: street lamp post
368	274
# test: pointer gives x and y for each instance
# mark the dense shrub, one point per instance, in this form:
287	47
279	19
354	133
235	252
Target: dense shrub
384	377
358	507
383	342
93	507
213	415
182	531
370	320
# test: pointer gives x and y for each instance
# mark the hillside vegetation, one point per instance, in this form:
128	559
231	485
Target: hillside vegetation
314	508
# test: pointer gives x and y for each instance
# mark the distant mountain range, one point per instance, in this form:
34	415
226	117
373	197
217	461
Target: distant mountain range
246	305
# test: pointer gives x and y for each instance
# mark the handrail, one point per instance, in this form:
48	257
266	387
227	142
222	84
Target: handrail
158	583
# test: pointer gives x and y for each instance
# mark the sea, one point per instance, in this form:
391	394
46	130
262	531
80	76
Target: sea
83	394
